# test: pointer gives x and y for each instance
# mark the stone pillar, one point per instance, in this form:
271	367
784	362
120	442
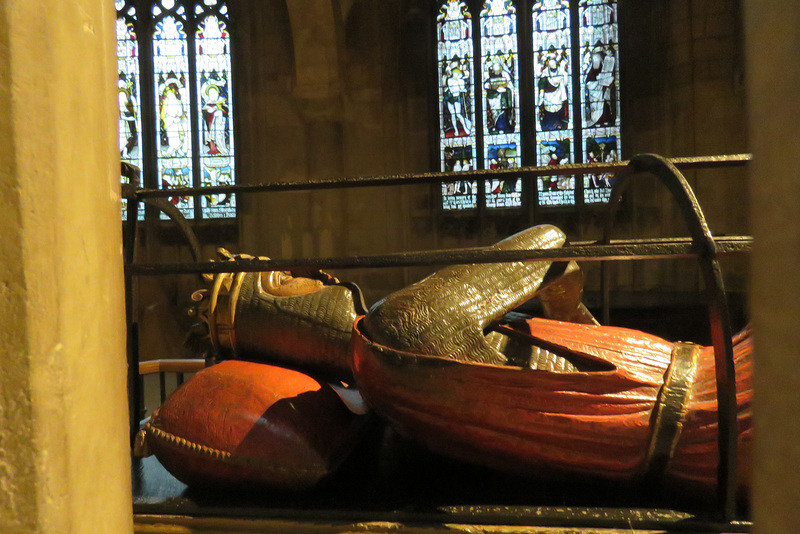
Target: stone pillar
773	72
64	463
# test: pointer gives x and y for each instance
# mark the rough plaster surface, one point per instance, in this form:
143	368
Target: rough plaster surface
774	82
16	473
63	432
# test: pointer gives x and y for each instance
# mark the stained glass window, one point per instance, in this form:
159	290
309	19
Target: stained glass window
173	105
500	87
456	102
190	106
130	120
573	97
600	92
213	66
552	81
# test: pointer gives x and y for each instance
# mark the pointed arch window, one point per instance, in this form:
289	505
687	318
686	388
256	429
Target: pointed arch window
176	112
128	92
560	73
457	103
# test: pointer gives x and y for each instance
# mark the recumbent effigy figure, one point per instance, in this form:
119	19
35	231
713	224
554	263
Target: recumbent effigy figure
559	394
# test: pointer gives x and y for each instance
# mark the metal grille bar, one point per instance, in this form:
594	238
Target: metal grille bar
684	164
616	251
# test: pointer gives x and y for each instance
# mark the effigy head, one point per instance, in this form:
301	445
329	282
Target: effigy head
283	284
301	320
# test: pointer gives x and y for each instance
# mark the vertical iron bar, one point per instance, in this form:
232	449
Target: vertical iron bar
527	106
162	385
131	340
478	119
577	109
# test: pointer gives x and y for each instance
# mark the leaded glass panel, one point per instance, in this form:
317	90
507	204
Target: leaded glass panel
462	194
213	67
173	123
500	91
555	149
601	147
128	93
459	195
552	71
503	193
600	93
456	102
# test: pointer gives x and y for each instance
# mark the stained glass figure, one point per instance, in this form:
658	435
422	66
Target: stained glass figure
552	70
575	89
456	101
213	67
173	124
130	122
500	88
600	95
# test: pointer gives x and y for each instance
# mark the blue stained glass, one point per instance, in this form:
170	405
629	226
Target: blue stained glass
576	103
175	142
173	126
552	70
456	102
213	66
130	121
600	95
500	90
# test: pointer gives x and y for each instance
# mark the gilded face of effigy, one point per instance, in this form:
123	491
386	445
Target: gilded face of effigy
300	318
283	284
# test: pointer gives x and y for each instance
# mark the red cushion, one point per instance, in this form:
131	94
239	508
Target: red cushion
242	423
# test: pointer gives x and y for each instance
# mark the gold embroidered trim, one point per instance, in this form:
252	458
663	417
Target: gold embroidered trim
671	407
226	457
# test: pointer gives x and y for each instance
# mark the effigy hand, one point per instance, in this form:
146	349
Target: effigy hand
447	313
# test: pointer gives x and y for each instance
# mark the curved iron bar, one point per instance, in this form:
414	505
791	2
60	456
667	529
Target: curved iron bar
676	183
130	193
